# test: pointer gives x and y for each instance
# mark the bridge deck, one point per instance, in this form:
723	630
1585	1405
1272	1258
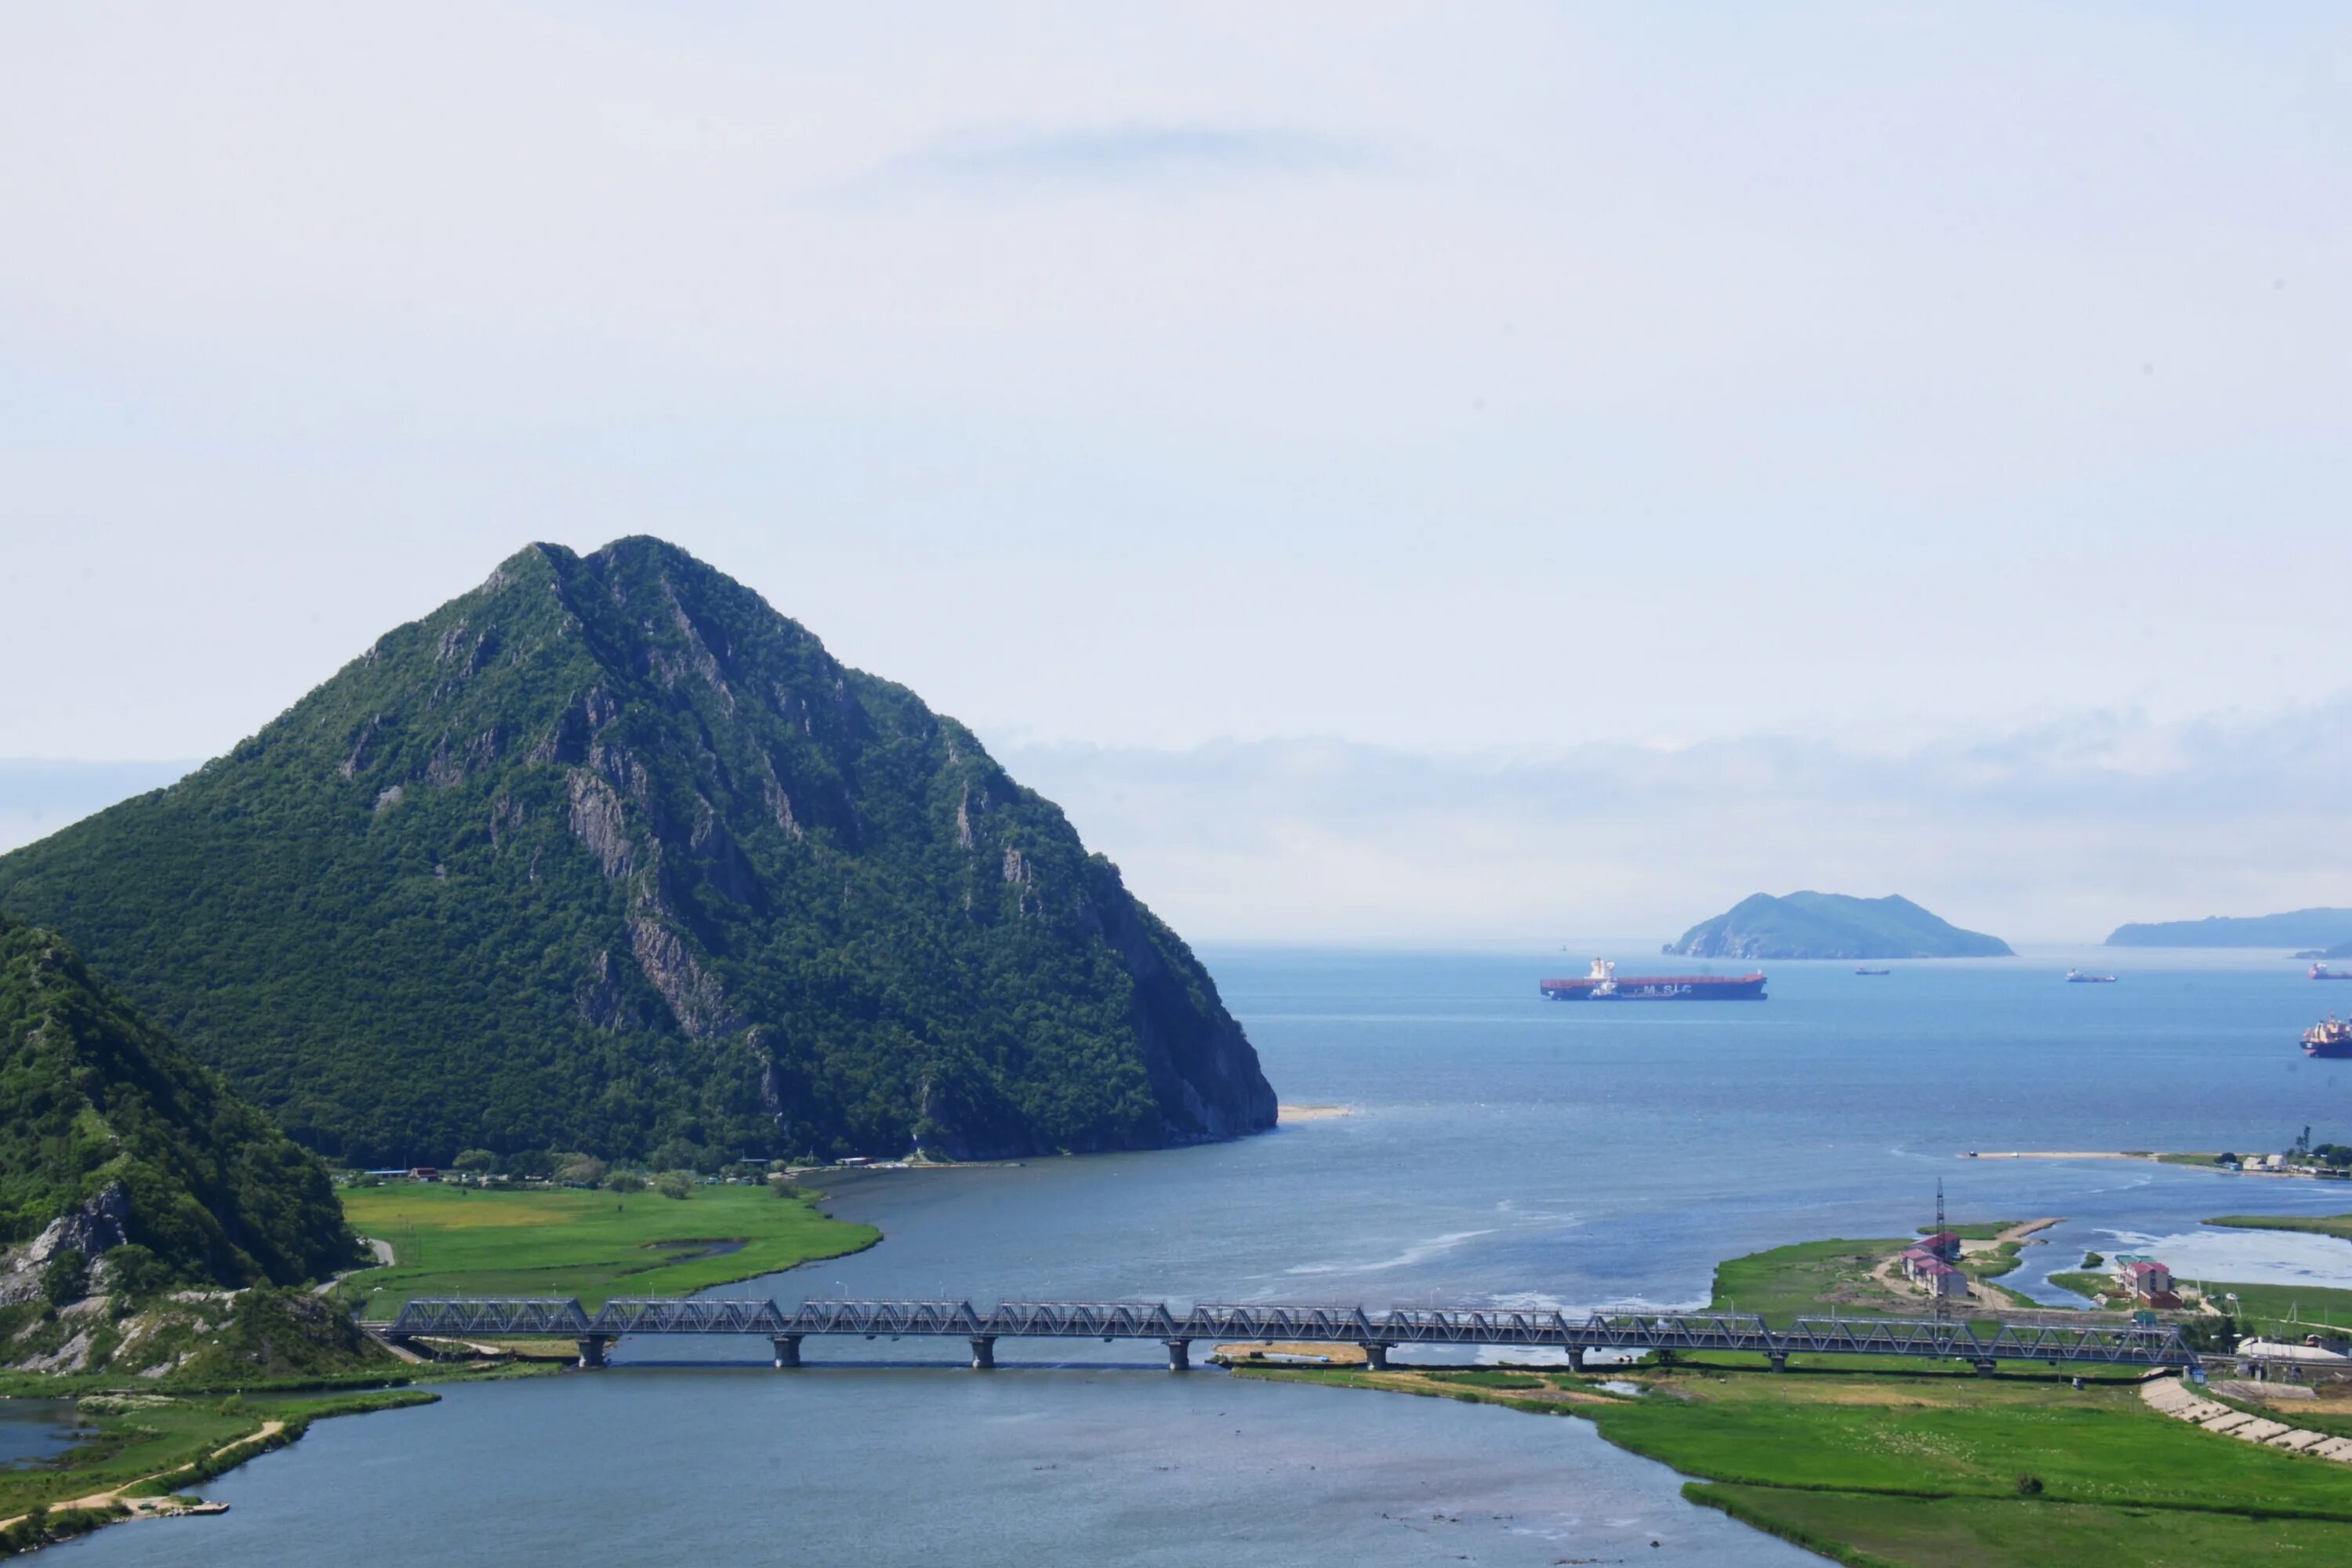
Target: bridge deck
2042	1340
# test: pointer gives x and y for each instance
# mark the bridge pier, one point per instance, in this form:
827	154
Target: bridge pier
1376	1356
592	1348
984	1352
1985	1368
1575	1358
788	1349
1180	1356
1779	1359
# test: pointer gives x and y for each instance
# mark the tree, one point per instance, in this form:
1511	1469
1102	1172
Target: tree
475	1161
530	1164
133	1271
675	1184
624	1182
66	1278
781	1185
585	1169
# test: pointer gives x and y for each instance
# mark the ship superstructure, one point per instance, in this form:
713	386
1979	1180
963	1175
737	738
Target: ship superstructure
2329	1038
1603	983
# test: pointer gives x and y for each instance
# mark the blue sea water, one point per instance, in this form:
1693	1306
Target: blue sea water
1498	1148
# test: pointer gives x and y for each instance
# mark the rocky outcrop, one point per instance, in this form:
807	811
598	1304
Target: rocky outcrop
90	1229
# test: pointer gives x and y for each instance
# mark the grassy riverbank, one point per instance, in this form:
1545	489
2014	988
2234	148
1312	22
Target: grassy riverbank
148	1445
1930	1467
2338	1225
450	1241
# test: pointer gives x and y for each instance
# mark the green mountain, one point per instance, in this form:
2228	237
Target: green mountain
2297	928
1831	925
111	1134
606	855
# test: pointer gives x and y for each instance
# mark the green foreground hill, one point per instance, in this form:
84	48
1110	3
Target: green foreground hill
1832	925
111	1137
607	855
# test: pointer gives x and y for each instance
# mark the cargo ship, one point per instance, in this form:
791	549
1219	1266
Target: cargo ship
2330	1039
1602	985
2321	972
1865	969
2077	977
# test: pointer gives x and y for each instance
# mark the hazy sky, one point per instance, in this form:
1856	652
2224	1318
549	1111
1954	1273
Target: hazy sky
1434	381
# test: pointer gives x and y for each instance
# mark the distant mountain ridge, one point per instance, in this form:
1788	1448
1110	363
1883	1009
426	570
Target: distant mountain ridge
608	855
2313	928
1831	925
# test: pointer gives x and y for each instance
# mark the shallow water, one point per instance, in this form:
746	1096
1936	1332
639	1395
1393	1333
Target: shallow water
32	1430
1502	1148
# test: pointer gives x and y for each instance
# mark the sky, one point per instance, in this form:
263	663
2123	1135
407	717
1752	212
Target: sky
1459	462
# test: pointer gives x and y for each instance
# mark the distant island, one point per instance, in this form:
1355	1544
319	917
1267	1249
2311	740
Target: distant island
2327	932
1831	925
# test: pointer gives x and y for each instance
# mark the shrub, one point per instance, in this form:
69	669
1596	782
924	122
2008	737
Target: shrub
2029	1485
134	1273
66	1278
675	1184
781	1185
624	1182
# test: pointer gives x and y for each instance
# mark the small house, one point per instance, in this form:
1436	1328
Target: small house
1913	1258
2146	1280
1943	1245
1940	1278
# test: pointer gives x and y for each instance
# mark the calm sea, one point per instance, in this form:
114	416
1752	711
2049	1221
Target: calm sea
1499	1148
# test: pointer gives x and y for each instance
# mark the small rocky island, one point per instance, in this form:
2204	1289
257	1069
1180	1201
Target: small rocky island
1831	925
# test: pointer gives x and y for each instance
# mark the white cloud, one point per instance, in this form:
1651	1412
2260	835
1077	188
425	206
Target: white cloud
2058	832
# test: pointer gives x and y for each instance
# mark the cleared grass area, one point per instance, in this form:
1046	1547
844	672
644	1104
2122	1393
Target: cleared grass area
448	1241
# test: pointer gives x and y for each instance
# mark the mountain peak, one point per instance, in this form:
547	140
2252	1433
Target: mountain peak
607	853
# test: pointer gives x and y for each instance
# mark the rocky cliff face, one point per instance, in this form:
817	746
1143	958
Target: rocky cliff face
609	855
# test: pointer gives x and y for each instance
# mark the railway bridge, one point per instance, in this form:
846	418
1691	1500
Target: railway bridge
2052	1340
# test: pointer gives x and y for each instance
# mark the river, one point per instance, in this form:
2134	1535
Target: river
1499	1148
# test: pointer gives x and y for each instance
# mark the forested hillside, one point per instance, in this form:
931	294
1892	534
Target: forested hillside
111	1137
608	855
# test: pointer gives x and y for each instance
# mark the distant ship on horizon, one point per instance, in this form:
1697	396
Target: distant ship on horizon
1602	985
2321	972
2077	977
1865	969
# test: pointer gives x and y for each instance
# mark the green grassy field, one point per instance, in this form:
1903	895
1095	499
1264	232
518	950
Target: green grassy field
1924	1468
1815	1277
1809	1277
1966	1533
449	1241
1974	1230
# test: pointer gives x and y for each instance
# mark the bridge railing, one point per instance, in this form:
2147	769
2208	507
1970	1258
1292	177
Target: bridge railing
464	1317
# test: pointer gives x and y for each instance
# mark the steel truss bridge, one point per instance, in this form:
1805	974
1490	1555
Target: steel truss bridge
2055	1342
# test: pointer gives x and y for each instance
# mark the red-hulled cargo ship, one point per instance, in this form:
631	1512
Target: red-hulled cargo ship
1603	985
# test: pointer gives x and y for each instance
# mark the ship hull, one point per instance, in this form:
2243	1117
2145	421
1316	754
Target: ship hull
2334	1048
1660	988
